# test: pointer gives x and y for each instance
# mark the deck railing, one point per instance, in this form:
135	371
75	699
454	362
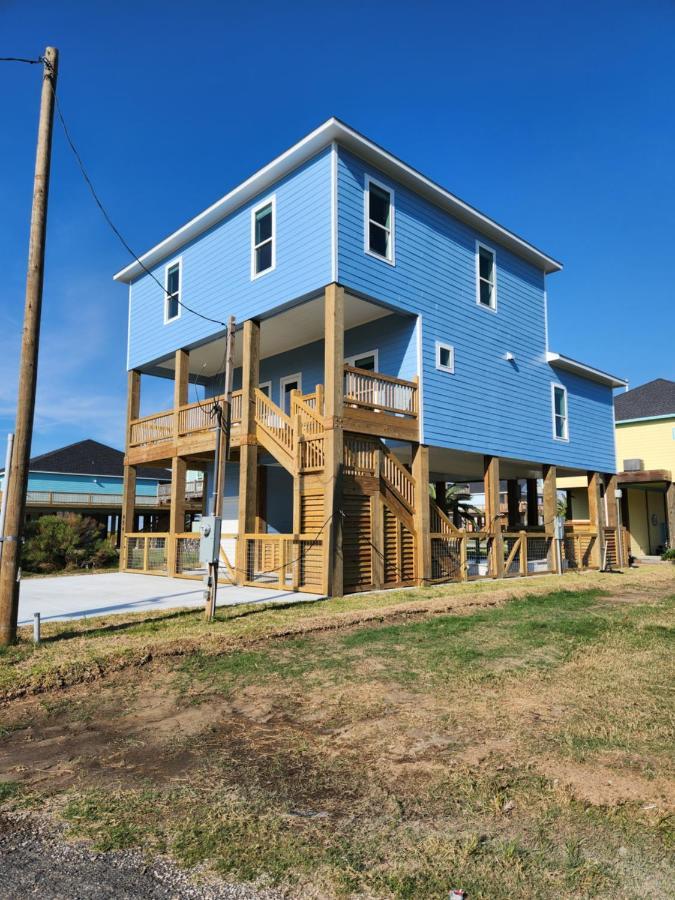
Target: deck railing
381	393
274	421
74	498
191	418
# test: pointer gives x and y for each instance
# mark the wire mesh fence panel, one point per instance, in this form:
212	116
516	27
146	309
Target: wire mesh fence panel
512	551
156	554
187	557
446	558
539	552
266	561
135	553
478	556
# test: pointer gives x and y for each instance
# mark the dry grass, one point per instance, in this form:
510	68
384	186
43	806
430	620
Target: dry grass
513	749
74	652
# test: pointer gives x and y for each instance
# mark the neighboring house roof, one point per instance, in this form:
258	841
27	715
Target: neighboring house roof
653	400
335	131
572	365
90	458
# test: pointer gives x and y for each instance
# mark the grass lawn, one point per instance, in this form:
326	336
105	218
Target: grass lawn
513	740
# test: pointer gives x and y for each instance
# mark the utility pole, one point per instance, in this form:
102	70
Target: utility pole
223	420
17	477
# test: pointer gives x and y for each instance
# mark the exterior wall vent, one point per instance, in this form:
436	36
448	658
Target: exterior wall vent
633	465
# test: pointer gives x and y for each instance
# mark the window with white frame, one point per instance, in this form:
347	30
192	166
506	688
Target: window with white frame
445	357
559	410
379	220
367	361
263	238
172	287
266	388
486	276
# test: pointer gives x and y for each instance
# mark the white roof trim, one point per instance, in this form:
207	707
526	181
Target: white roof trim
571	365
335	131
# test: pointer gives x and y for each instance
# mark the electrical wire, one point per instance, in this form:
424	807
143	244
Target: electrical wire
106	214
21	59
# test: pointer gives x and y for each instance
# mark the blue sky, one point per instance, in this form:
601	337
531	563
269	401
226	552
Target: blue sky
557	119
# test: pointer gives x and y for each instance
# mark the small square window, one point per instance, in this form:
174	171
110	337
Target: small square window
445	358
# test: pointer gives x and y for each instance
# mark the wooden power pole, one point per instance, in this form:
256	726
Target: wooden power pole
17	477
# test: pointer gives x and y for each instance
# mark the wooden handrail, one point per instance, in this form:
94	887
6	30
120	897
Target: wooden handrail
379	376
274	420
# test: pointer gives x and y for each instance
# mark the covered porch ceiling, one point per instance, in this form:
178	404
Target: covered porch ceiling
460	466
280	331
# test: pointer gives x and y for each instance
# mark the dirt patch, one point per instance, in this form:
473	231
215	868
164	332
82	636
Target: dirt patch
602	785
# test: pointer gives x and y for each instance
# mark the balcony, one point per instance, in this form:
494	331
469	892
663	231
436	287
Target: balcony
374	404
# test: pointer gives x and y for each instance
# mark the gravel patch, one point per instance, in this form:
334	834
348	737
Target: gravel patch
36	860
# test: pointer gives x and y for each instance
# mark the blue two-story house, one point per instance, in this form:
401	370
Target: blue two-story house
388	337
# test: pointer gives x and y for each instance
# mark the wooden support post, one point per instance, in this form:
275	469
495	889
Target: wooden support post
334	327
420	472
611	484
513	503
670	513
176	511
532	503
129	472
463	557
377	527
523	554
550	512
493	519
248	449
596	517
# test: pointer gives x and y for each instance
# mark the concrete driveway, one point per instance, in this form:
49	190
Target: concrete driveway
79	596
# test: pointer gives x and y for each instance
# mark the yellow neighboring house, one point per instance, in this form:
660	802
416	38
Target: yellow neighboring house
645	463
645	459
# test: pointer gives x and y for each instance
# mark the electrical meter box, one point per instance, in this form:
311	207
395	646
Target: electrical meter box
559	528
209	539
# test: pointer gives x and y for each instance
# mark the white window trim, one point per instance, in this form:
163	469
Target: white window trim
441	345
174	262
493	306
286	380
268	201
351	360
266	384
391	260
566	437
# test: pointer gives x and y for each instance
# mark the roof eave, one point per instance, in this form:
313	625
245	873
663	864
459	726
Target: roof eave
331	131
558	361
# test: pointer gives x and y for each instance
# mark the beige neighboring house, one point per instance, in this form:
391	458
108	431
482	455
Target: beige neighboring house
645	462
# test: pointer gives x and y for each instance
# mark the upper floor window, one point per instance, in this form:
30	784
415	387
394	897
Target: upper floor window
486	276
172	286
263	238
560	418
379	220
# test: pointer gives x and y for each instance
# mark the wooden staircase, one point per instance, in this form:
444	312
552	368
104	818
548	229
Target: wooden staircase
379	535
295	441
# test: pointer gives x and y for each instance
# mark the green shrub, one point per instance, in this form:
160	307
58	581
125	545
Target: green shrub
53	543
669	554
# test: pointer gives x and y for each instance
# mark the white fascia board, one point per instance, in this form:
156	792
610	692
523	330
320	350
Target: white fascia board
571	365
335	131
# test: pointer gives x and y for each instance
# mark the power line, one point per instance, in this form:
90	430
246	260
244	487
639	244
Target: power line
21	59
109	220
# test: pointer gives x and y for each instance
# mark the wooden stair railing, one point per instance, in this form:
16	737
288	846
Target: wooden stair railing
369	456
274	422
309	423
439	523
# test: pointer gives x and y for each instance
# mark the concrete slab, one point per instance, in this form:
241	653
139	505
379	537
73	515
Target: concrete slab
80	596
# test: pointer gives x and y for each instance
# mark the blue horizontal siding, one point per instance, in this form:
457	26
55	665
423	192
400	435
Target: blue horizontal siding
393	336
86	484
216	275
489	405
